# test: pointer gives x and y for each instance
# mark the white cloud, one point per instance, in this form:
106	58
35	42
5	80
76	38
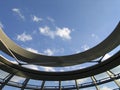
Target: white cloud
46	31
105	88
63	33
36	19
17	11
32	50
1	25
49	52
85	47
24	37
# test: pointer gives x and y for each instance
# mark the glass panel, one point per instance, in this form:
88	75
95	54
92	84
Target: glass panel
10	88
108	86
71	82
68	84
84	80
35	82
3	74
116	70
89	88
17	79
101	76
51	83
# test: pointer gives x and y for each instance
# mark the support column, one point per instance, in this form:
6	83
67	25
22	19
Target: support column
42	86
60	85
24	84
95	82
111	75
76	83
6	80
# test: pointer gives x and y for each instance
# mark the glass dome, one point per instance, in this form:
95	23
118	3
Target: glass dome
60	45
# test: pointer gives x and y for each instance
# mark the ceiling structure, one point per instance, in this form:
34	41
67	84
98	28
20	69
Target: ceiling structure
22	57
112	41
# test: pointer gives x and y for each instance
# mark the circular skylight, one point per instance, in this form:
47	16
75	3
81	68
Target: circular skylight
57	28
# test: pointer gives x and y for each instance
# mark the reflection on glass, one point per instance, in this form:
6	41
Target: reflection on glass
108	86
17	79
51	83
88	88
116	70
84	80
35	82
3	74
101	76
10	88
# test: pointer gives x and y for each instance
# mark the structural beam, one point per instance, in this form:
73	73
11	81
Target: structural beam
42	85
76	83
60	88
95	82
60	76
112	75
6	80
112	41
24	84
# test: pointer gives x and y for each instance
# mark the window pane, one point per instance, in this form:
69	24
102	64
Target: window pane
88	88
17	79
101	76
3	74
10	88
108	86
116	70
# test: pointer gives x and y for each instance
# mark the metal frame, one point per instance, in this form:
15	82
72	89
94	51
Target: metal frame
59	87
21	54
59	76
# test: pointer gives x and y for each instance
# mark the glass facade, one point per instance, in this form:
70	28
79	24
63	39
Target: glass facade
103	81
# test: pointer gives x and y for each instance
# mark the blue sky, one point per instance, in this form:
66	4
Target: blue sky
58	27
61	26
